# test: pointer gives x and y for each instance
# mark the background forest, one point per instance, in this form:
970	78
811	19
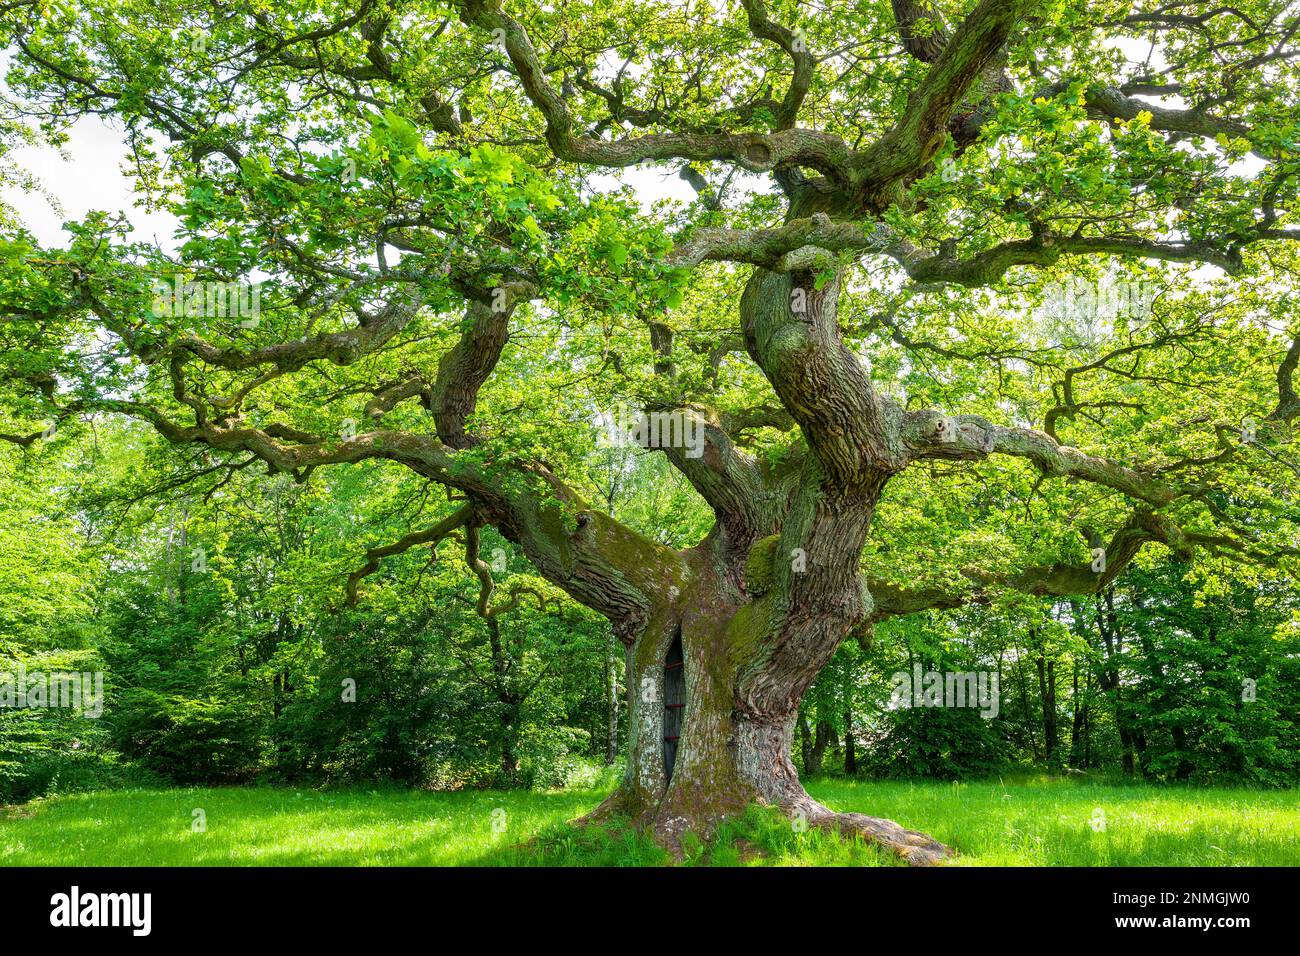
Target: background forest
215	604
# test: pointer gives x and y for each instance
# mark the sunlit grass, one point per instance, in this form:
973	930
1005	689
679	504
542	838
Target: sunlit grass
1032	822
1065	822
280	827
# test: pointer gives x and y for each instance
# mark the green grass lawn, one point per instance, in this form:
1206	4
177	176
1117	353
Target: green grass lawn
1034	822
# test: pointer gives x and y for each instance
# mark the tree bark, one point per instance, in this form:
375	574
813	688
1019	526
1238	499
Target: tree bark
766	599
1047	695
611	699
1024	703
1079	722
821	740
1112	639
805	743
726	758
507	701
850	750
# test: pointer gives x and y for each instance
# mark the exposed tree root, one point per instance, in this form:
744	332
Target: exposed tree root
916	848
617	806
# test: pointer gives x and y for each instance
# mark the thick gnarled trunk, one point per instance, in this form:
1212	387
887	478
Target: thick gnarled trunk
727	756
767	598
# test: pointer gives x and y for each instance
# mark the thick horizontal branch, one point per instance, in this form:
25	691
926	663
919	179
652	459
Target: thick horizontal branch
1108	103
987	267
390	396
598	561
932	434
433	535
341	348
1055	580
813	242
798	243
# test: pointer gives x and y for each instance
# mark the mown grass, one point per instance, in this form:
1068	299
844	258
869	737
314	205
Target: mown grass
1040	822
1055	822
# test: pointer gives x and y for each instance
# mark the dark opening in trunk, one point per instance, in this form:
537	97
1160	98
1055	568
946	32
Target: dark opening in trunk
674	703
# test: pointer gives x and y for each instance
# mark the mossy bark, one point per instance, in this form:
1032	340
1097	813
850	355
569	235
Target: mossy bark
729	754
763	602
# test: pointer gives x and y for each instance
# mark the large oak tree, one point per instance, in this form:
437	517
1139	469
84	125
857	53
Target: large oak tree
858	305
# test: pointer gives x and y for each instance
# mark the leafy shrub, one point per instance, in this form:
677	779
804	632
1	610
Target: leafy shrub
189	740
946	743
